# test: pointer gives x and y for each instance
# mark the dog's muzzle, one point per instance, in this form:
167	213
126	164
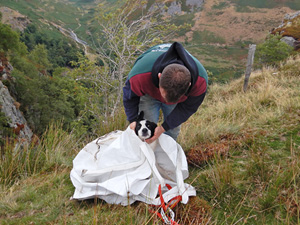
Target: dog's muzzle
145	132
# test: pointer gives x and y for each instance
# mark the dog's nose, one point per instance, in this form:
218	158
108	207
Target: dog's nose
144	130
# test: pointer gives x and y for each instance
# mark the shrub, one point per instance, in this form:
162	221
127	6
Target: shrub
10	40
272	51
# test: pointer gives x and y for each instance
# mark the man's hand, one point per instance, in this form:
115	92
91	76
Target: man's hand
132	125
158	131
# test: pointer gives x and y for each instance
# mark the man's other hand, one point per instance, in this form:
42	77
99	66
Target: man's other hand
158	131
132	125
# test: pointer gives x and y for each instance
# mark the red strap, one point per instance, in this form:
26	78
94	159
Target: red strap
167	208
162	201
177	198
169	186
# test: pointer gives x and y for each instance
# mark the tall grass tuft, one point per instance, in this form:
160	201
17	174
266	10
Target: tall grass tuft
228	110
53	151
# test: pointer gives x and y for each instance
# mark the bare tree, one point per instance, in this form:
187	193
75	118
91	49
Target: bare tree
125	33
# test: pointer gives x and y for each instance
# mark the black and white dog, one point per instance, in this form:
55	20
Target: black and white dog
144	128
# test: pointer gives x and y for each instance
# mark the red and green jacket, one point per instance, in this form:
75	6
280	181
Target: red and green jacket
143	79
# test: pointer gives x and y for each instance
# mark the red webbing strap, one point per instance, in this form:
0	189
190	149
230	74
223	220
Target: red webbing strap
166	209
177	198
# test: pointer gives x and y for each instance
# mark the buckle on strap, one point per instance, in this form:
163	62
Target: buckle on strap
167	219
166	209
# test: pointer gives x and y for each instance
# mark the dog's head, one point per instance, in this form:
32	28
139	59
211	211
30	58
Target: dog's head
144	129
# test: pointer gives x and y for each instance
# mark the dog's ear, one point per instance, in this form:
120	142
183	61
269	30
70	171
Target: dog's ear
140	116
151	126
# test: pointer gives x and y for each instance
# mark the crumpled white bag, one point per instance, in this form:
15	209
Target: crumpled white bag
121	169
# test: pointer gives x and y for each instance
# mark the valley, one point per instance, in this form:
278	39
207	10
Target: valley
220	34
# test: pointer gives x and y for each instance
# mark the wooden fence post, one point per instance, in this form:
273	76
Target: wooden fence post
250	59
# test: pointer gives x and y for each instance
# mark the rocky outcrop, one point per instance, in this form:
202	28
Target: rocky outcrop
289	17
194	4
291	41
290	30
14	18
176	7
17	122
10	107
5	68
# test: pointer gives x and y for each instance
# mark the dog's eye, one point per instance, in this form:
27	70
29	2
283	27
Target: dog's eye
138	126
148	125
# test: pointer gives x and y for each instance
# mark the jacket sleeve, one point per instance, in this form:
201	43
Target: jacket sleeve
131	102
183	111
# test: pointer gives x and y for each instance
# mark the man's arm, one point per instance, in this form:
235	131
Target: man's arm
183	111
131	102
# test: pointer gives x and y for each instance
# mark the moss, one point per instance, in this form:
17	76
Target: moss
292	28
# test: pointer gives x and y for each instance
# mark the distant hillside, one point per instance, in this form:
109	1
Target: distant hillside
219	37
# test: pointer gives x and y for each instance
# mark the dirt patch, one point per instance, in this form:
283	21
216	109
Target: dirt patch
197	211
204	152
234	26
14	18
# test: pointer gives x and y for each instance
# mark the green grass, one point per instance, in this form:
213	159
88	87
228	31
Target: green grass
220	5
207	37
225	62
255	182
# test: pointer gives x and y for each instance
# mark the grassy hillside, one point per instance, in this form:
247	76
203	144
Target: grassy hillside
253	180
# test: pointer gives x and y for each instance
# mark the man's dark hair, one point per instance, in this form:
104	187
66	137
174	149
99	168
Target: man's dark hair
175	80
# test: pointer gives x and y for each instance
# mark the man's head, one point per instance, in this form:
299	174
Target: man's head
174	82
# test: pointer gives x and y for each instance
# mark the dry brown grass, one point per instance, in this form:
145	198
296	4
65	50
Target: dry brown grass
229	112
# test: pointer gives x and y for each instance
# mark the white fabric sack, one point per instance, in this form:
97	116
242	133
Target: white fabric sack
121	169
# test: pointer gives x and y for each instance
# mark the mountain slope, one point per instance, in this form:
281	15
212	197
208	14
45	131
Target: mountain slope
256	181
221	30
234	26
232	20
